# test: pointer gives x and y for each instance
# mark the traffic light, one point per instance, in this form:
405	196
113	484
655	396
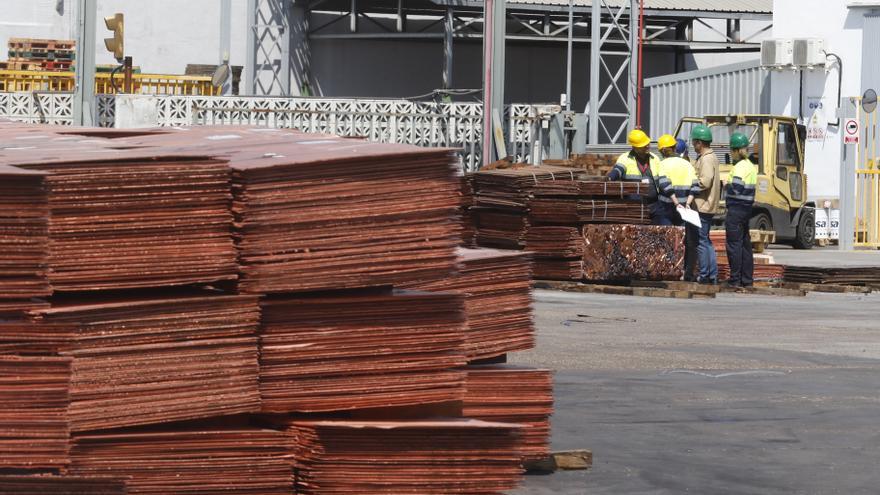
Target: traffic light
115	23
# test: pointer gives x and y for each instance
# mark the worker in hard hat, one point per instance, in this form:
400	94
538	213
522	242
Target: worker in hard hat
681	148
740	196
640	165
708	174
678	188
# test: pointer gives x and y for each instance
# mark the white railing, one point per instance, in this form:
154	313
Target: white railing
430	124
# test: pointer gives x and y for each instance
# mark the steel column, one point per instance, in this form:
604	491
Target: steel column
249	81
632	86
848	155
494	33
301	51
448	29
595	69
569	55
84	94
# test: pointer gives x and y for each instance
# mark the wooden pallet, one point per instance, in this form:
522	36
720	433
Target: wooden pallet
677	285
40	55
567	460
621	290
764	291
37	43
828	288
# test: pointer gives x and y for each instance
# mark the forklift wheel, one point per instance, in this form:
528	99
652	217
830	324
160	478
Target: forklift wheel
806	231
761	221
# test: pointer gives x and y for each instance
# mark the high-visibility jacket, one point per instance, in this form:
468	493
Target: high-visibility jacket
741	184
627	169
677	177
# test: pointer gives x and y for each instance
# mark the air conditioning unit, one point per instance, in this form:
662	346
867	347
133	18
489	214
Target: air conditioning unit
776	53
809	52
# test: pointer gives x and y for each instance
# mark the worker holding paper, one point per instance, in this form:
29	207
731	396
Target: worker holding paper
679	186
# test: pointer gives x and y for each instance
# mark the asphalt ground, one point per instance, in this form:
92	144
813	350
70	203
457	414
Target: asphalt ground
742	394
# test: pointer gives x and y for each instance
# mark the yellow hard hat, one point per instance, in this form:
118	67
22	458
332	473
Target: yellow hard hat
638	139
666	141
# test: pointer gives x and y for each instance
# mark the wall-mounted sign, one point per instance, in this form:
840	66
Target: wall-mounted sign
816	129
851	130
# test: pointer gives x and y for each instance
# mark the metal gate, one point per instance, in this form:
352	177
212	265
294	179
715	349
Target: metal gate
867	225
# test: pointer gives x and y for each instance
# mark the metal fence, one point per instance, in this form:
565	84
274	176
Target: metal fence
735	88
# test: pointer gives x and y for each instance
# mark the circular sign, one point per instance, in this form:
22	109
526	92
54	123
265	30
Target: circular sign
869	101
852	127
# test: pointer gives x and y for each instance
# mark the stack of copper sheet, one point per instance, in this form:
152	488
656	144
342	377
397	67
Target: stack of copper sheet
584	201
340	352
468	228
125	220
332	214
512	394
33	413
633	252
862	275
24	238
558	252
497	285
575	211
502	198
61	485
499	229
228	460
140	362
425	457
761	271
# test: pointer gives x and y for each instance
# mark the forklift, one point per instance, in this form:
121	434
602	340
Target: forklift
777	148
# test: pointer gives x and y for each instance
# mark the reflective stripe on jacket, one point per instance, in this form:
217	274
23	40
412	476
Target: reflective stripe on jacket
678	177
741	184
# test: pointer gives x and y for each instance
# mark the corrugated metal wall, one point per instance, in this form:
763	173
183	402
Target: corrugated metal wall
735	88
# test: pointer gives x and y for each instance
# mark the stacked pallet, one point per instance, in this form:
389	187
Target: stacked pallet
24	238
133	220
41	54
33	413
342	352
189	460
145	361
512	394
434	457
633	252
497	289
579	202
595	164
502	201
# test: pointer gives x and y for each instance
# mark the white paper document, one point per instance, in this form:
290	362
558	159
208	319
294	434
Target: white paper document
689	216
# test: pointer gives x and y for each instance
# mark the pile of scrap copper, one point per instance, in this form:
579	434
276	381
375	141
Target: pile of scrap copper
174	303
633	252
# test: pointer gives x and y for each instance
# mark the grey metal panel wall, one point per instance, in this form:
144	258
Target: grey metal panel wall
871	53
736	88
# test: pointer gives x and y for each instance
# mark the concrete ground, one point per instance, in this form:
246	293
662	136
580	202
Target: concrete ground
738	395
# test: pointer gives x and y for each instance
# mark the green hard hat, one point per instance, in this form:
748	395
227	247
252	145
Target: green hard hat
738	140
701	133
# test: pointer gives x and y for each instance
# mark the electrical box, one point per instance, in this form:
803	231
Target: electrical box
809	52
776	53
